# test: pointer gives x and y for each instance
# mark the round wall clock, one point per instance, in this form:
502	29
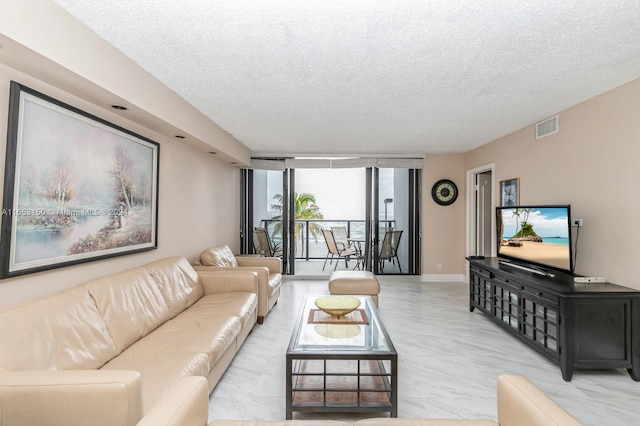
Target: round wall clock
444	192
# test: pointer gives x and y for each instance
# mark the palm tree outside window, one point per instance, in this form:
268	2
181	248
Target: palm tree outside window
305	209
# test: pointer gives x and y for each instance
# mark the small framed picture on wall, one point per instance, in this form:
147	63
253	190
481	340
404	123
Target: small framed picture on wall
509	192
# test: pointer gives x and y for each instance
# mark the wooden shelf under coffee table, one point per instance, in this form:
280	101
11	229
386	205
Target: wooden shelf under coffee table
341	366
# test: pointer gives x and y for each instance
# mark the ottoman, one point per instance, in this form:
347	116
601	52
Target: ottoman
360	283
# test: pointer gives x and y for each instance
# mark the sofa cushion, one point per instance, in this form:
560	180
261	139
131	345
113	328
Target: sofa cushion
240	304
220	255
212	335
63	331
71	398
521	403
160	371
178	283
130	304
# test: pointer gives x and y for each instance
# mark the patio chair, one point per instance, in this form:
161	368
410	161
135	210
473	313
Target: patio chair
340	235
263	245
336	249
389	249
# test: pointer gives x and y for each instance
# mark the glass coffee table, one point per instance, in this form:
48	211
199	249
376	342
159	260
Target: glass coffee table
341	364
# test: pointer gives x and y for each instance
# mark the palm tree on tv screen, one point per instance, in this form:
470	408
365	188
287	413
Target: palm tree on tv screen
526	228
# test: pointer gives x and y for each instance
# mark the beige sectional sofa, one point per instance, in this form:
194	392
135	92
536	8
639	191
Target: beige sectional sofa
120	348
269	270
146	346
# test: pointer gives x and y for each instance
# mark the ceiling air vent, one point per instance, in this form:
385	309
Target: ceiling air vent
547	127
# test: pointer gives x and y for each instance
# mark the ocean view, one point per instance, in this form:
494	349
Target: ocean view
561	241
556	240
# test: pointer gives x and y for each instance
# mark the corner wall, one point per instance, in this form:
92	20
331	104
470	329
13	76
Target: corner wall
443	227
592	164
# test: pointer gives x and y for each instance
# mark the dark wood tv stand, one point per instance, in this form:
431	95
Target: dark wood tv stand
582	326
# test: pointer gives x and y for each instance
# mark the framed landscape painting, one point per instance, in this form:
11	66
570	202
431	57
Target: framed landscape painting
76	188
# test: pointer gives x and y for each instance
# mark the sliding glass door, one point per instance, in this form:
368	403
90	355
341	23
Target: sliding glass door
332	200
396	198
265	206
374	211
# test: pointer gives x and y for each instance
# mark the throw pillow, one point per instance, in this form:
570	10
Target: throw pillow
218	256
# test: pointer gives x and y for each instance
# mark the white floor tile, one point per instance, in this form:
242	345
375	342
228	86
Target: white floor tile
449	361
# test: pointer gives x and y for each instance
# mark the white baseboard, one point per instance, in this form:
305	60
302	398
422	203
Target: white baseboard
442	278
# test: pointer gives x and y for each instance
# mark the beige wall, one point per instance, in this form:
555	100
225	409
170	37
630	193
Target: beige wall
43	47
443	227
591	164
198	202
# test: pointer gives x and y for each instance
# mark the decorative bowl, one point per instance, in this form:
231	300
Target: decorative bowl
338	331
337	305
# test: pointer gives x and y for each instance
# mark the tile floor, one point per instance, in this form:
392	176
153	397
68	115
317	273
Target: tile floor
449	359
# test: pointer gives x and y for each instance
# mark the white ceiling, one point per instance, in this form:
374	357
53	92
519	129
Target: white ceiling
357	77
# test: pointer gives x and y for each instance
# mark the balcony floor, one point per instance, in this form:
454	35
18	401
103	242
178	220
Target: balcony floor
313	268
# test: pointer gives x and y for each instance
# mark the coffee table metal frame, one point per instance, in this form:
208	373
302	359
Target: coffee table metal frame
372	353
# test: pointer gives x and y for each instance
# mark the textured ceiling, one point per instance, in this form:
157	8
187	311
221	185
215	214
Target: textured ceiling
358	77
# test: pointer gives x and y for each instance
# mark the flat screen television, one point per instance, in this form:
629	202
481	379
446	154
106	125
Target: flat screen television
538	237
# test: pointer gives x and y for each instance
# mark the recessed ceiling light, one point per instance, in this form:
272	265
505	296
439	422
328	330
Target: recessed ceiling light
179	136
119	107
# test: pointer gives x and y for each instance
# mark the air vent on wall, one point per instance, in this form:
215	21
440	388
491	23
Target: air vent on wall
547	127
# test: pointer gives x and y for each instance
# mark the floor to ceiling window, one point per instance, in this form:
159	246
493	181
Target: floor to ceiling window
264	208
330	215
267	203
396	218
338	206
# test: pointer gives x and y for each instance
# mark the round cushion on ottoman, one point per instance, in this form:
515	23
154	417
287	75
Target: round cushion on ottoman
361	283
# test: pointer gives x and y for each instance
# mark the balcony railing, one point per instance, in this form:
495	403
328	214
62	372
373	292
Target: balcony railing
310	244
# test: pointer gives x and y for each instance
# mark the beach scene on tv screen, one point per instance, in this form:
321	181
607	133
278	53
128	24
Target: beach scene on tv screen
538	235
